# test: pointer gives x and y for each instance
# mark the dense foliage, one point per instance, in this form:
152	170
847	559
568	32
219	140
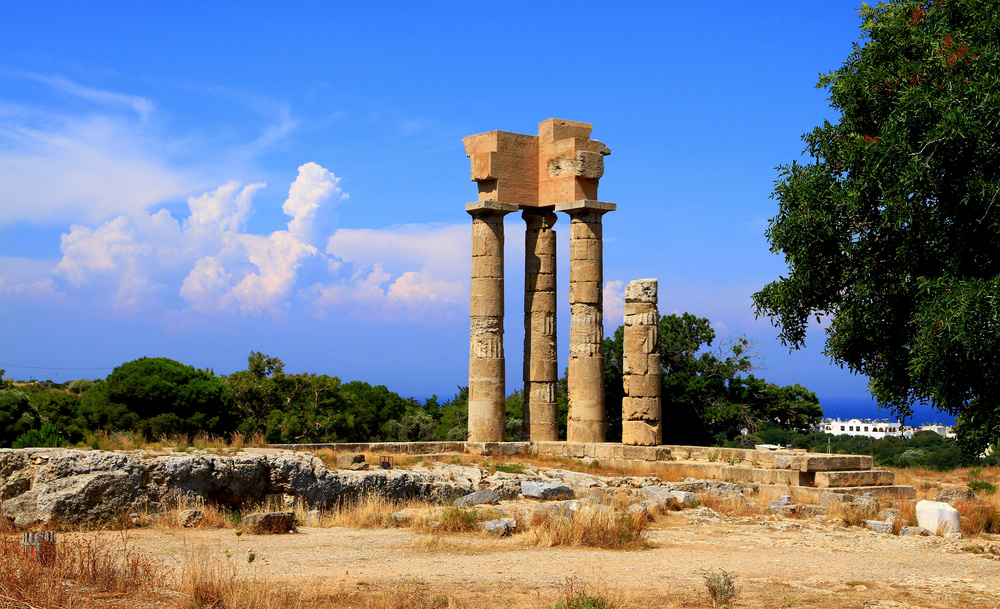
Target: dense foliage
708	397
894	231
159	396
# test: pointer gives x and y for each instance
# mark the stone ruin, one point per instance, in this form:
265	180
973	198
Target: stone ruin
556	171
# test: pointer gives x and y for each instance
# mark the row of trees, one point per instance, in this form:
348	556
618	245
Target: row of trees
709	397
925	449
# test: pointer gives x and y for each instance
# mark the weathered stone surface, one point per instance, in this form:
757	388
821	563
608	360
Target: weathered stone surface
500	526
545	490
665	496
913	532
714	487
486	495
954	494
269	522
879	526
855	478
938	517
190	518
88	487
641	290
813	510
353	461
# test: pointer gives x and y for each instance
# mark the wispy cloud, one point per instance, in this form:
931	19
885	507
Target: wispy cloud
114	154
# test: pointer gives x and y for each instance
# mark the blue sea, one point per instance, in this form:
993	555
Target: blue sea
860	408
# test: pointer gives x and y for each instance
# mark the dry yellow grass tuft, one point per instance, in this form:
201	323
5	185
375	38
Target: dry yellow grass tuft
80	573
589	527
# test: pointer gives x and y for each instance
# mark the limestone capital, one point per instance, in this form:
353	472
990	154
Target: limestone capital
489	207
586	206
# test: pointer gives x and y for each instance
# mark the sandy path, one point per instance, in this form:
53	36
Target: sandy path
779	563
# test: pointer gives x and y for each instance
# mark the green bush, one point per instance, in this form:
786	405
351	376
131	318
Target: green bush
46	436
982	486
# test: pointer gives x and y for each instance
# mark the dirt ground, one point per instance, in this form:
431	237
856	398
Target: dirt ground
777	562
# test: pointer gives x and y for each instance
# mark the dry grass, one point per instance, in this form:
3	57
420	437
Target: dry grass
81	573
732	505
588	527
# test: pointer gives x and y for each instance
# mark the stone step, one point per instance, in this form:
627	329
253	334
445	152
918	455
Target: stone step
872	477
816	462
890	494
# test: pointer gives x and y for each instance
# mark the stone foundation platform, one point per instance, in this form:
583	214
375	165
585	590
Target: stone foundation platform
803	475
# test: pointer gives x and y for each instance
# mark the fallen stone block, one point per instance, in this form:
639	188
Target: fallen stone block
545	490
497	527
352	461
484	496
913	532
939	518
879	526
269	522
190	518
955	494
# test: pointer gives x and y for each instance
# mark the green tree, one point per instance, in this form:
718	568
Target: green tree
893	232
454	423
157	396
17	415
708	397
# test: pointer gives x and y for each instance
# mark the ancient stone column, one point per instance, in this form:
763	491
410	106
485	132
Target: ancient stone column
586	325
541	370
641	424
486	361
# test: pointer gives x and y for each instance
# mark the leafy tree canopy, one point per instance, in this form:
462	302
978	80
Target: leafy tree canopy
159	396
894	231
708	397
17	415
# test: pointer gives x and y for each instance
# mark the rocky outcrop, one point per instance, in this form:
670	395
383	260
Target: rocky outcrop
955	494
90	487
78	487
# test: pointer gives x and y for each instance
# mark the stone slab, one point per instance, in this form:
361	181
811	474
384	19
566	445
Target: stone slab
807	494
586	205
856	478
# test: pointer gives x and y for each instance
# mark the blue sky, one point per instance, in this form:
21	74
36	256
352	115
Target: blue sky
203	180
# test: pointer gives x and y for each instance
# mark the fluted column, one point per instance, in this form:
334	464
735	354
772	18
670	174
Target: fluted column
641	422
541	369
586	421
486	361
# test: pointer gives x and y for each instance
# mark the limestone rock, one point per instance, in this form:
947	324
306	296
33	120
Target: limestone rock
269	522
81	499
879	526
913	532
938	517
486	495
507	485
954	494
665	496
545	490
190	518
500	526
352	461
641	290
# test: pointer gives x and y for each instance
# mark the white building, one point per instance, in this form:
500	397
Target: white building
873	428
937	428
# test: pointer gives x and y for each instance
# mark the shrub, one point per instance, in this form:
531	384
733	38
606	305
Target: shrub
47	436
721	586
979	486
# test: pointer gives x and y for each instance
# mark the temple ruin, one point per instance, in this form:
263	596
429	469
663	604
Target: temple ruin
556	171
